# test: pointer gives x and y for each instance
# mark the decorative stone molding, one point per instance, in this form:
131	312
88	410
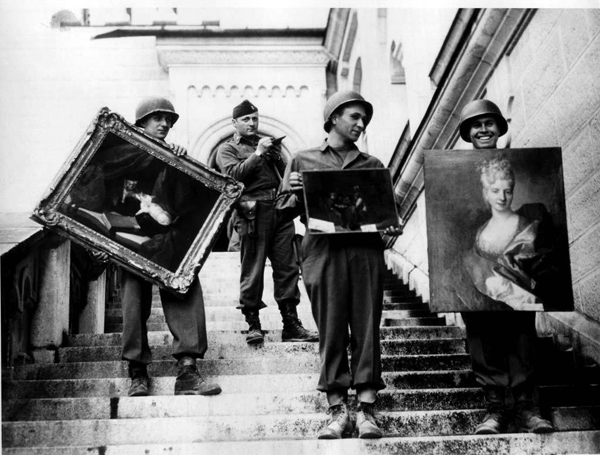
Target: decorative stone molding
249	91
171	57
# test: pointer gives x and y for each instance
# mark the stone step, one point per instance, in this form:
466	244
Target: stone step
163	385
95	432
217	314
236	337
300	364
226	404
573	442
261	403
272	349
433	320
273	322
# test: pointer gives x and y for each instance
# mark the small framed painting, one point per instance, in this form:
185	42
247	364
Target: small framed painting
349	201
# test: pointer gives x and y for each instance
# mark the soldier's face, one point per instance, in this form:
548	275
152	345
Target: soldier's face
246	125
158	125
350	123
484	132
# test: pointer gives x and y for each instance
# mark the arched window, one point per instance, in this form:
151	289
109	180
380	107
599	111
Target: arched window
357	81
396	68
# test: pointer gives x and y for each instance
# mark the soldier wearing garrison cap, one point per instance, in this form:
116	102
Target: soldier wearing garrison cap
257	163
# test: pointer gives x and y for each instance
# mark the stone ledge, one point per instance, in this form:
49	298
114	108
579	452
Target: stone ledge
583	332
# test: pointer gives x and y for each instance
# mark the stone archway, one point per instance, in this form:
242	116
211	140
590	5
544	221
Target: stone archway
205	146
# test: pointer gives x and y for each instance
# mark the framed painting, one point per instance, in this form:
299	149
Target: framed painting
125	193
349	201
497	230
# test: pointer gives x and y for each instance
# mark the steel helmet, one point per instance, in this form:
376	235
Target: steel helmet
339	99
154	104
477	108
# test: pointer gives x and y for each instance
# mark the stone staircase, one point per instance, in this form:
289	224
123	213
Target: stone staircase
269	405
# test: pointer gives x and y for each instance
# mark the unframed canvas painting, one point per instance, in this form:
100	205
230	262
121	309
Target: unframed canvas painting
497	230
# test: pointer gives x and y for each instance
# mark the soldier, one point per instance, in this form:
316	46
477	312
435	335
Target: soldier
184	315
258	164
501	344
343	275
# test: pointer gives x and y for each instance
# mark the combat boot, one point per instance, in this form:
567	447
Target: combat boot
293	331
140	382
494	421
527	416
366	423
189	381
255	334
339	425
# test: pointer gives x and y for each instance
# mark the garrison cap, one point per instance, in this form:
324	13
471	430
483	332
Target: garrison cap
244	108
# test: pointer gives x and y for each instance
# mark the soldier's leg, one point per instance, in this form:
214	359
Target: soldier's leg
137	306
186	319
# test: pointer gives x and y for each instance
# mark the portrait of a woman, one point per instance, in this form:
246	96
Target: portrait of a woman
512	258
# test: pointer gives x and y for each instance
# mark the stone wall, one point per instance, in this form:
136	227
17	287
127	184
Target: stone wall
551	81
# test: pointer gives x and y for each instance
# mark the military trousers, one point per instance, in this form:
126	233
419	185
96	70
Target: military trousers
269	237
184	315
502	347
344	280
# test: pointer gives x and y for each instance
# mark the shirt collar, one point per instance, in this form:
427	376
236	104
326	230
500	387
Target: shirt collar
324	146
237	138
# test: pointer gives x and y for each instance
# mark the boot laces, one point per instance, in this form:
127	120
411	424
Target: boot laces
337	412
366	409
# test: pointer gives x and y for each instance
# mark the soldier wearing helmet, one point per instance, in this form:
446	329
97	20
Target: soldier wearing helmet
133	178
257	163
343	275
501	344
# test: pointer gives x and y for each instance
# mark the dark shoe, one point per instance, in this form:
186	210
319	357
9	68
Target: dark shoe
293	331
495	420
365	422
189	381
139	387
528	419
140	382
527	415
339	425
255	334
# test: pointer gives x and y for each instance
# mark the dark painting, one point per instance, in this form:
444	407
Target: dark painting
349	201
126	194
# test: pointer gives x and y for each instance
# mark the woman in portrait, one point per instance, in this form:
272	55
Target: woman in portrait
511	260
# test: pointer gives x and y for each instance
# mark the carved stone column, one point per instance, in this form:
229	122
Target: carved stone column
51	320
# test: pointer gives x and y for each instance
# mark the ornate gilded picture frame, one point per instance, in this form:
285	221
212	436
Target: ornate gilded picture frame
497	236
128	195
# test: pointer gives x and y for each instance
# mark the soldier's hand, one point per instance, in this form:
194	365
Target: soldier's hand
178	149
98	256
264	145
296	181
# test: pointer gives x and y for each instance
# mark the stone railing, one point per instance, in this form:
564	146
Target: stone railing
44	297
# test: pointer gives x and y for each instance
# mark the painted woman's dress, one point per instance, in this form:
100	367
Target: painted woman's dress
521	274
